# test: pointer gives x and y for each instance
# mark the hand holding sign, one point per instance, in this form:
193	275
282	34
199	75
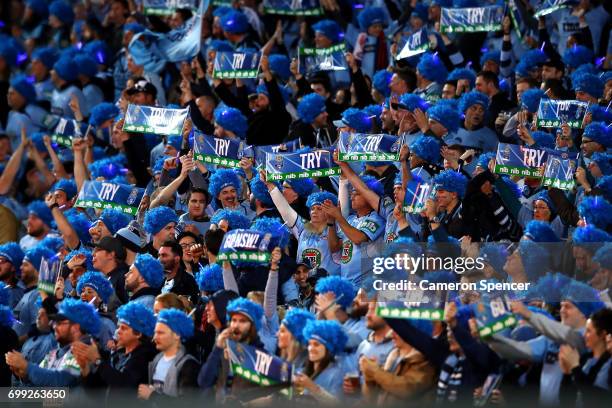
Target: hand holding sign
450	314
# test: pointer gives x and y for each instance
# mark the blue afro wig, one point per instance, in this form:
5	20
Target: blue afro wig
235	219
311	106
68	186
343	290
21	84
137	316
114	220
530	99
158	218
603	256
601	114
46	55
536	259
327	332
484	159
81	313
494	254
514	188
231	119
543	139
585	297
63	11
603	161
303	187
234	22
596	211
427	148
86	65
590	238
446	115
98	282
540	231
599	133
295	320
463	73
53	243
210	278
279	231
223	178
411	102
102	112
432	68
356	119
66	69
577	55
320	197
261	193
605	185
329	29
40	209
451	181
150	269
35	255
549	288
253	311
381	81
12	252
370	16
81	251
279	65
493	55
588	83
473	98
374	184
178	322
543	196
81	224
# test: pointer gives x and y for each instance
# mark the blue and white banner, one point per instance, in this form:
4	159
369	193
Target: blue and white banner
517	19
259	152
289	166
354	147
66	130
102	194
246	246
515	160
492	314
417	194
471	19
48	272
559	173
550	6
236	64
257	366
159	121
152	49
293	7
167	7
553	113
322	59
414	44
215	150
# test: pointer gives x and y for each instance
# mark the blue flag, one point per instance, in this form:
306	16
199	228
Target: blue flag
417	194
515	160
290	166
471	19
257	366
246	246
159	121
48	272
103	194
492	314
259	152
66	130
414	44
365	147
236	64
214	150
167	7
322	59
550	6
553	113
559	173
517	19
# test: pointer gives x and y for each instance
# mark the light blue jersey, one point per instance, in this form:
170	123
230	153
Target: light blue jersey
484	139
313	248
354	264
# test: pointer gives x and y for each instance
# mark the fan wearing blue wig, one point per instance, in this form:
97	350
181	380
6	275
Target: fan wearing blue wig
225	187
312	235
371	47
473	132
431	75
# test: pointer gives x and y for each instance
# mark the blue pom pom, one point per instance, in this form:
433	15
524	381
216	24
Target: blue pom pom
343	289
178	322
252	310
137	316
327	332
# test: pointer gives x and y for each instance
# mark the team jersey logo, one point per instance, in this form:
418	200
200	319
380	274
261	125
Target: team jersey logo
390	237
369	225
347	251
312	256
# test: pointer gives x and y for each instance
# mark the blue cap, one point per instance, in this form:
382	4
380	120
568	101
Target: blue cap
252	310
82	313
98	282
150	269
311	106
137	316
234	22
157	218
327	332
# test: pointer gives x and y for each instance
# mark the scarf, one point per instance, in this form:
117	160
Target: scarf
450	379
382	55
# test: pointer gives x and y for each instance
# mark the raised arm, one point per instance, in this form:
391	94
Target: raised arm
12	167
271	291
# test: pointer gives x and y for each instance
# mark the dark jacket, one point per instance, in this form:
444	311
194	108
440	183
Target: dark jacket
186	285
9	342
186	382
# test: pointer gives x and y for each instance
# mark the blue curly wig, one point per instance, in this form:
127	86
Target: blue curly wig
235	219
596	211
81	251
35	255
357	119
601	114
303	187
329	29
231	119
81	224
261	193
13	253
536	259
114	220
446	115
150	269
484	159
279	65
577	55
295	320
178	322
343	289
53	243
599	133
603	256
67	186
473	98
492	55
98	282
210	278
280	232
584	297
540	231
463	73
374	184
82	313
157	218
222	178
327	332
370	16
40	209
311	106
137	316
432	68
319	197
590	238
234	21
381	81
253	311
543	139
588	83
494	254
427	148
451	181
530	99
549	288
605	185
603	161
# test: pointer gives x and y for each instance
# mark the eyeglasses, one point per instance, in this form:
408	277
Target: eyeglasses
187	245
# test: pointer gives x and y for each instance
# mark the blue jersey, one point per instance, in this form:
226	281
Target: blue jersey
60	101
93	96
25	312
354	264
44	90
484	139
313	248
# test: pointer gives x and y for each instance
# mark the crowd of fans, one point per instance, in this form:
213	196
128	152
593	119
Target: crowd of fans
141	307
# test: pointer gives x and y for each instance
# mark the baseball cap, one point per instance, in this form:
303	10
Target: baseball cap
111	244
142	85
